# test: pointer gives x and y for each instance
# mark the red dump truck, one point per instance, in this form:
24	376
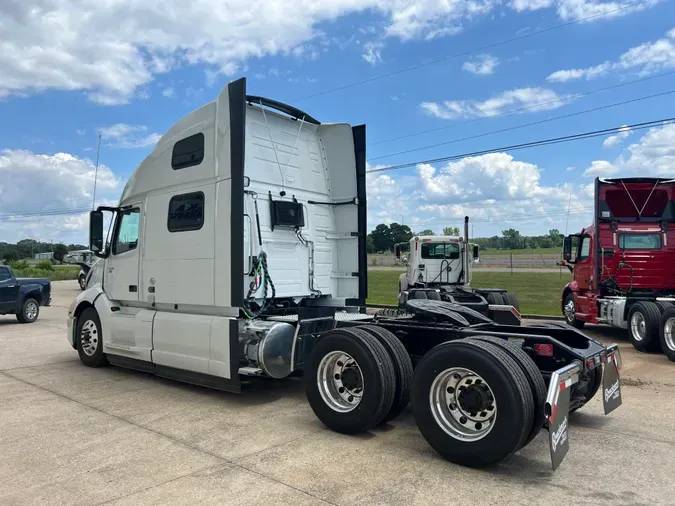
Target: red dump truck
623	263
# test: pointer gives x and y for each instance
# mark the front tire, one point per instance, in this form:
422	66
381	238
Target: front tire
89	339
350	381
472	402
569	310
29	311
643	326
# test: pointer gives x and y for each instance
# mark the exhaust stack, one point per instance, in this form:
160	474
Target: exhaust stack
467	260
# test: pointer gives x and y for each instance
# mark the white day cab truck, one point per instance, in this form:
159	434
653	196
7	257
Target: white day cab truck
439	268
238	249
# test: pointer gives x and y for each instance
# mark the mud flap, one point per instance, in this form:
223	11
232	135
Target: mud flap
611	383
557	411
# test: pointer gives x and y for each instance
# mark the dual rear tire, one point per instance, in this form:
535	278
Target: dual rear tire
358	378
476	401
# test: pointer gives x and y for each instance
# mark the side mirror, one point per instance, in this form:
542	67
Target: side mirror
397	252
567	248
475	251
96	243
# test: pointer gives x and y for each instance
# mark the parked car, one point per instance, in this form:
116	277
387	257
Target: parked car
23	296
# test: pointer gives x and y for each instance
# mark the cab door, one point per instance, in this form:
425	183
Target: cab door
9	290
121	274
583	267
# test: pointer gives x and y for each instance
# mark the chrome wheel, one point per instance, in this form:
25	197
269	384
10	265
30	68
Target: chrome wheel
668	333
638	326
340	381
569	311
463	404
89	337
31	310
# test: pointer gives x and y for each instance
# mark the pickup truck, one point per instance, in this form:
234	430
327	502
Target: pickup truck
23	296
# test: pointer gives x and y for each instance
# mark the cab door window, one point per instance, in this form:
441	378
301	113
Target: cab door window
584	249
126	233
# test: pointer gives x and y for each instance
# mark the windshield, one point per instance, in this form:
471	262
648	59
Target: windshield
640	241
440	251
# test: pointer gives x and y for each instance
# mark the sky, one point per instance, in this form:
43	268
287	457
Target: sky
429	78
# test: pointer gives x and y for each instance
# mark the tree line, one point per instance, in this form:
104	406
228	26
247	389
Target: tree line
383	238
28	248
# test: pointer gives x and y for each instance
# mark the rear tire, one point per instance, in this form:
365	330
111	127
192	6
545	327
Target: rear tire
370	385
592	387
89	339
500	387
569	309
403	368
663	305
667	333
495	298
533	375
30	309
511	300
643	326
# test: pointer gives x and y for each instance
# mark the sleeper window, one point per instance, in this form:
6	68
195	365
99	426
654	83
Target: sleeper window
186	212
126	237
188	152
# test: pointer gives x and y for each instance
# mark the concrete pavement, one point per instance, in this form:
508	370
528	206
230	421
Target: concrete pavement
74	435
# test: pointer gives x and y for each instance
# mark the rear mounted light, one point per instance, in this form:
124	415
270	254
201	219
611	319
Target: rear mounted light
543	350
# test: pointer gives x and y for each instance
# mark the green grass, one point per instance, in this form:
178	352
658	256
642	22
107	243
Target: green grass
60	273
521	252
538	293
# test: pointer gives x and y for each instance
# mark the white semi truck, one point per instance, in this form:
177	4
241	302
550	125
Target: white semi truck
440	267
238	248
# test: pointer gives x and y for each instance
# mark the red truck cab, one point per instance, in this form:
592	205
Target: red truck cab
623	263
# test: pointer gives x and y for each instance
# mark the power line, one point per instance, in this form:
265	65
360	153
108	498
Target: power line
40	214
471	51
544	142
485	134
521	109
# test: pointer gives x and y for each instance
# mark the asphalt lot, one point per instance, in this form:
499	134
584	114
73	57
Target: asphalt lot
74	435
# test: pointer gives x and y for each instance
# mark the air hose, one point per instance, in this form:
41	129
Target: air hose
261	278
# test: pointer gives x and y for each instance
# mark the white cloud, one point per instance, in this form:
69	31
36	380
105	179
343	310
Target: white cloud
571	169
574	10
614	140
526	99
652	155
33	184
530	5
589	73
122	135
601	168
483	64
168	92
372	52
80	131
644	59
496	190
111	49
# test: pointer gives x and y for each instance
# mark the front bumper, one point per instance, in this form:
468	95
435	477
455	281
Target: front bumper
558	398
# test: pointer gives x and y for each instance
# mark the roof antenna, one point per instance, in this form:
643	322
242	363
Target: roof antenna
98	152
